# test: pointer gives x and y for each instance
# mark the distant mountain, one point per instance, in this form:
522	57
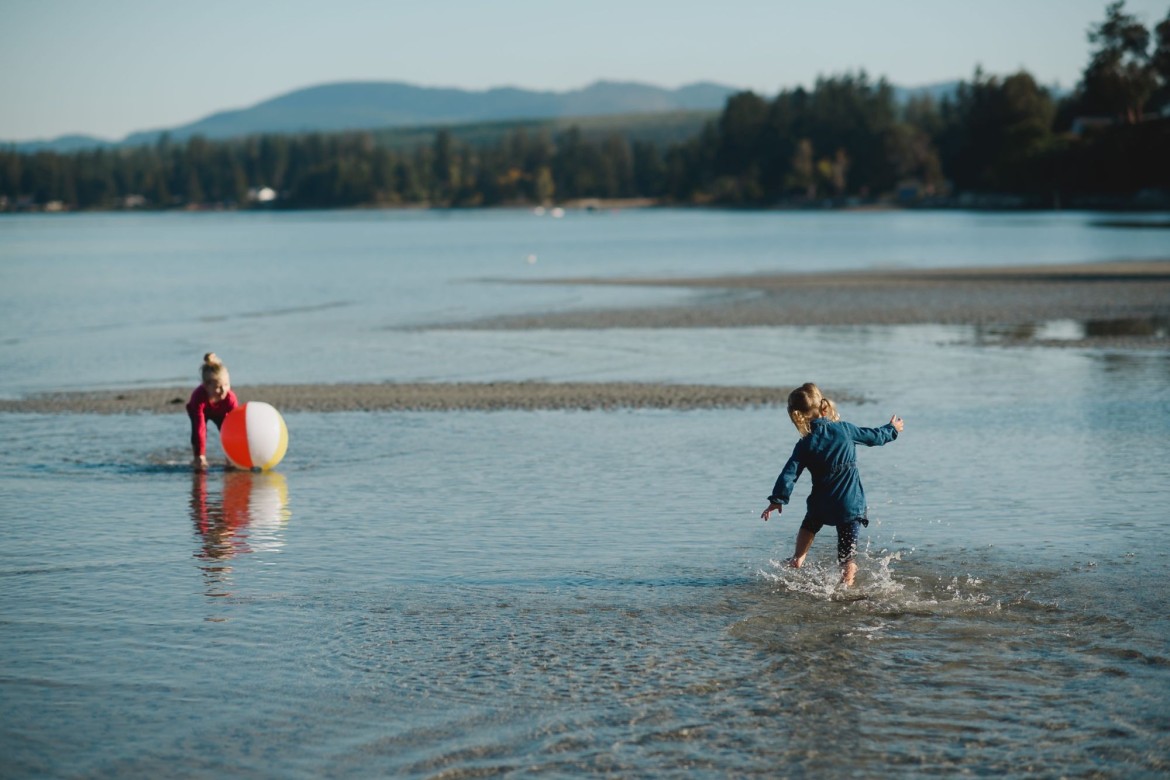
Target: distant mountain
392	104
379	105
936	92
63	144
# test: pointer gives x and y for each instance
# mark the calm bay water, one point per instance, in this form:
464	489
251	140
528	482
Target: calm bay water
566	593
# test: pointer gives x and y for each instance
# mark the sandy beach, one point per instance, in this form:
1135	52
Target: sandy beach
1122	304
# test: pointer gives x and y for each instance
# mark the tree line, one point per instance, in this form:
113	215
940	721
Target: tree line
847	139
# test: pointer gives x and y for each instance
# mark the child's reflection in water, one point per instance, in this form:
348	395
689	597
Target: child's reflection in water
249	505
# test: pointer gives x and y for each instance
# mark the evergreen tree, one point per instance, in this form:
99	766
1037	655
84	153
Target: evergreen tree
992	128
1160	65
649	171
803	175
444	174
741	127
1120	77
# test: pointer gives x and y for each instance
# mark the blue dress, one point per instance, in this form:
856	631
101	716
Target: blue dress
830	455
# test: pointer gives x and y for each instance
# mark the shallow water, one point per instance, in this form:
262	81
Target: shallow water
567	593
106	300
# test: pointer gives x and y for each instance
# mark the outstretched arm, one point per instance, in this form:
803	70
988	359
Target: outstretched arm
875	437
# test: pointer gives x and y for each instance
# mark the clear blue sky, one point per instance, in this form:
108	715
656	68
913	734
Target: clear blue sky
110	67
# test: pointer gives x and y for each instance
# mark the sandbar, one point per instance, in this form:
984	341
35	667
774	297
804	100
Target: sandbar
425	396
1123	291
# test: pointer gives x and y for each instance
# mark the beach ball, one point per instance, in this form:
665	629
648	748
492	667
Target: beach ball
254	436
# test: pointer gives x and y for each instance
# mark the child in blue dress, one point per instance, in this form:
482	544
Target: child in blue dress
827	448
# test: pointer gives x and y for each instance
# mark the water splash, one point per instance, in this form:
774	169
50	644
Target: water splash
883	585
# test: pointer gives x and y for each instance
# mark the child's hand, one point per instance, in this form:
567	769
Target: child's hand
896	421
778	508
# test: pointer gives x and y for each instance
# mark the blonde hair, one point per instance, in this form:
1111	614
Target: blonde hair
806	403
213	368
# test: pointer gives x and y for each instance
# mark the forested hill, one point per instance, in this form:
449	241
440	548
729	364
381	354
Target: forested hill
377	105
369	105
374	105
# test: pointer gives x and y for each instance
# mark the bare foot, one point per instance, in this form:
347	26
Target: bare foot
848	572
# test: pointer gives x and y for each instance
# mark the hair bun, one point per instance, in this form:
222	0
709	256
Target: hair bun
212	359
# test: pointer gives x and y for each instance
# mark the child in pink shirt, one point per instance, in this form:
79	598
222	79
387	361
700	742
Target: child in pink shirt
212	400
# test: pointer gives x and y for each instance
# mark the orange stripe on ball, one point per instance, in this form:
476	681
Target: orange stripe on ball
234	437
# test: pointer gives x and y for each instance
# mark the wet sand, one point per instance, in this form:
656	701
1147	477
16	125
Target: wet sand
1096	292
487	396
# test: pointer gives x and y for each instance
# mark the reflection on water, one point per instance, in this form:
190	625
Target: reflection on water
1148	326
244	513
1071	331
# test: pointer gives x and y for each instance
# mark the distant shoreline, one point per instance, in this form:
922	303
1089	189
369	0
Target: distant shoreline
987	205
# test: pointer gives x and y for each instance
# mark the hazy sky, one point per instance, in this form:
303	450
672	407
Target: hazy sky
109	67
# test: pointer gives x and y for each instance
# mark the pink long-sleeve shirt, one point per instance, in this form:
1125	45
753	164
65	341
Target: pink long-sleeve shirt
201	409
